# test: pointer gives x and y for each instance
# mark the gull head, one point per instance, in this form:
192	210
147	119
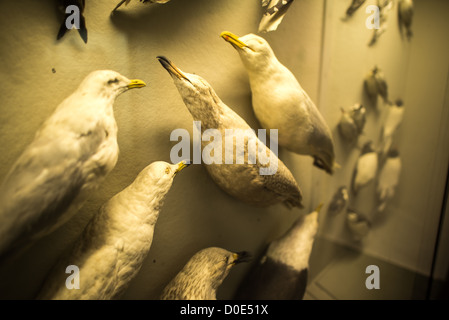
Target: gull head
213	264
108	83
160	174
255	52
193	88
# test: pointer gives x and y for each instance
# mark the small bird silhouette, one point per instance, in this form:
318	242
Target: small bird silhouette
71	154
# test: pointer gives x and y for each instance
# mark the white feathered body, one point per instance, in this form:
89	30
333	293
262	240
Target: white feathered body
388	181
392	122
366	169
69	157
281	103
113	246
240	178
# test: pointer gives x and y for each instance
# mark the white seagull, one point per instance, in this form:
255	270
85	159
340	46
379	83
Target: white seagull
200	278
282	272
393	120
366	167
115	243
241	179
69	157
279	102
388	179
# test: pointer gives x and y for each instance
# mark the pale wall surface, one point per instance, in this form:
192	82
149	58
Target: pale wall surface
417	73
197	214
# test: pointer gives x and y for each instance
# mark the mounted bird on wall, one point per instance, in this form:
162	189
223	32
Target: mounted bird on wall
115	243
241	179
203	274
279	102
274	12
64	8
71	154
282	272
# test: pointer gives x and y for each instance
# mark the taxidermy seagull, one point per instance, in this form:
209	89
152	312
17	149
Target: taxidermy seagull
282	272
405	15
70	156
366	167
115	243
279	102
240	179
203	274
275	11
143	1
63	4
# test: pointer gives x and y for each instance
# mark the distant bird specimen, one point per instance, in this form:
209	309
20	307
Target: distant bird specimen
352	122
203	274
347	127
115	243
143	1
281	274
279	102
358	225
375	85
63	6
388	179
405	15
366	167
240	178
356	4
339	201
393	120
384	7
358	114
70	156
274	12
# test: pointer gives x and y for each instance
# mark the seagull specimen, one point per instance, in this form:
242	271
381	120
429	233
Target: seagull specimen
240	178
70	156
339	201
143	1
358	114
405	15
115	243
375	84
347	127
366	167
281	273
203	274
384	7
393	120
279	102
275	11
388	179
358	225
63	6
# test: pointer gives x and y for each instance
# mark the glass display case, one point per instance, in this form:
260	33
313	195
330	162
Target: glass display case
359	251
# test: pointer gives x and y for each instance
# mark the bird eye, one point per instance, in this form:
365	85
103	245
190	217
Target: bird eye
113	81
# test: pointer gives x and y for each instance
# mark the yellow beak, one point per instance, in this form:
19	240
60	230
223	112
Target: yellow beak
182	165
136	83
234	40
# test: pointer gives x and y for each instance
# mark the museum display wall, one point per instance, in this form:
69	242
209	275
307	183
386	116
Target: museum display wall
329	56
